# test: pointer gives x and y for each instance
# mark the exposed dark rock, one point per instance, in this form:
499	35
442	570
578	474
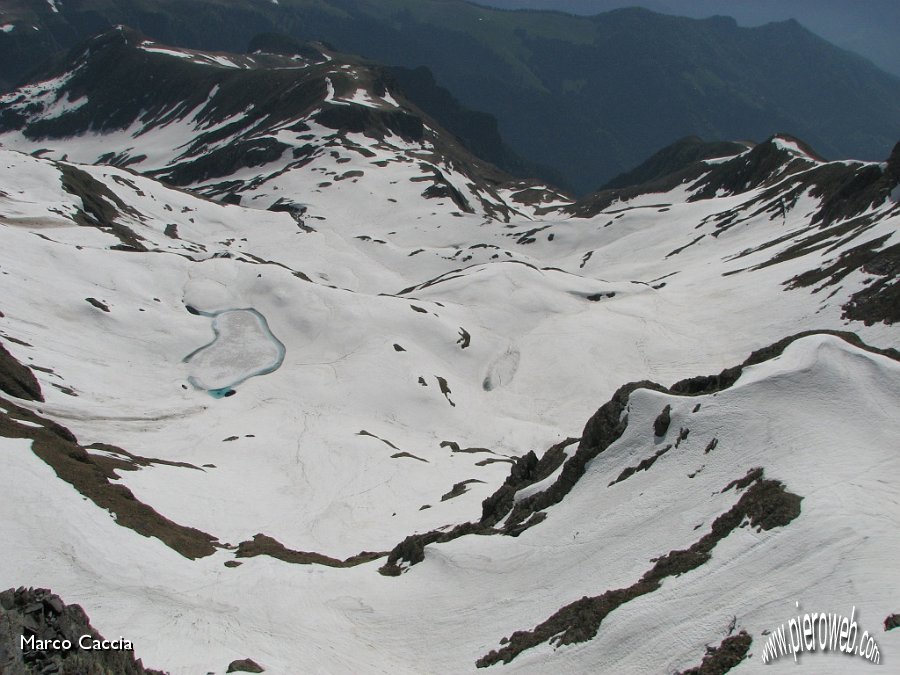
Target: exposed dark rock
279	43
709	384
412	549
892	622
445	389
114	459
38	613
686	246
848	262
18	380
753	475
642	466
225	161
719	660
102	206
672	158
767	504
98	304
443	190
92	477
662	421
454	447
241	108
245	666
459	489
399	455
765	163
602	430
359	119
265	545
363	432
597	297
464	338
880	300
526	470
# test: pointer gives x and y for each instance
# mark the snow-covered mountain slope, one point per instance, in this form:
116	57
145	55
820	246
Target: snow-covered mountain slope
219	423
258	129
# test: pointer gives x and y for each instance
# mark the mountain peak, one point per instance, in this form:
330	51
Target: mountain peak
791	145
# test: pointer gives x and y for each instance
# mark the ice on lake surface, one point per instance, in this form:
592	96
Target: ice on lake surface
243	347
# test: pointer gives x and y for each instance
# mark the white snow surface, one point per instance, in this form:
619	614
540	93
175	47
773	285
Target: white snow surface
553	332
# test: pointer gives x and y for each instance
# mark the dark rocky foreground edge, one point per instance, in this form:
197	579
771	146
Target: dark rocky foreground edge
601	431
38	612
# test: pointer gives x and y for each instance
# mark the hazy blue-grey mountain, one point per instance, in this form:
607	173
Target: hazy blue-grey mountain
587	96
868	28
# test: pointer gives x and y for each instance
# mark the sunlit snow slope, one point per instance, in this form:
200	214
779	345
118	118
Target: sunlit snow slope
383	499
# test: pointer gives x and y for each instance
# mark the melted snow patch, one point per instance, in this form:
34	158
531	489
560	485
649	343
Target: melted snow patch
502	370
244	347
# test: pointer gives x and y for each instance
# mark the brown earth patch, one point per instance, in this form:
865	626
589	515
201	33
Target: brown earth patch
262	544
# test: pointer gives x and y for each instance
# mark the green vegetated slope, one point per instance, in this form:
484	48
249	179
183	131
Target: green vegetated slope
587	96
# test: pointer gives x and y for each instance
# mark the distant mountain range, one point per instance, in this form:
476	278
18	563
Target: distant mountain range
586	97
237	127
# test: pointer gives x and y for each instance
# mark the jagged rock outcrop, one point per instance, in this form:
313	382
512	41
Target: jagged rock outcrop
40	617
